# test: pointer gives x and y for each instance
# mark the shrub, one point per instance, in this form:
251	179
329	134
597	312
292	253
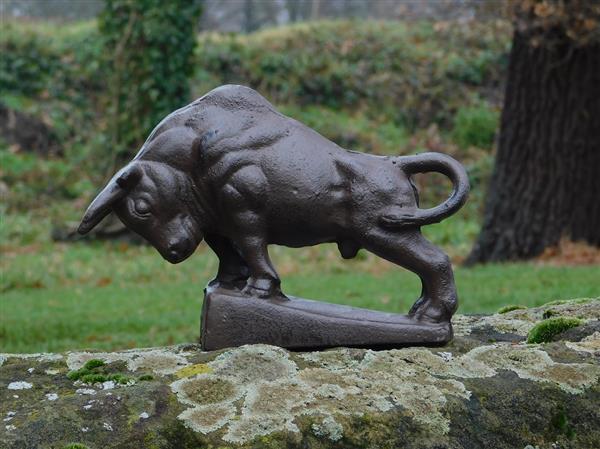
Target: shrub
354	131
149	46
27	63
407	72
475	126
366	85
53	73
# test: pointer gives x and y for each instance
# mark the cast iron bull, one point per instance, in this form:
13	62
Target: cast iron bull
229	169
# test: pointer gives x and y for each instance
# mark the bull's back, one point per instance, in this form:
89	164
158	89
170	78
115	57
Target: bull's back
308	178
309	196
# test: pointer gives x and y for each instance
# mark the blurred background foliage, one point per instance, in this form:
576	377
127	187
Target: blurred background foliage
424	85
149	46
83	83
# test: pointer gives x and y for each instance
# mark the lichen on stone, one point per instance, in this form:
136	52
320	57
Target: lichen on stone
380	382
253	363
278	397
519	321
77	360
160	361
206	419
251	427
334	359
274	392
266	397
589	344
190	370
411	386
204	389
322	377
506	323
19	385
329	428
535	364
39	357
275	403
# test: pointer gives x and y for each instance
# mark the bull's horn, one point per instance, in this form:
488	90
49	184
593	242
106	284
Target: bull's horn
117	188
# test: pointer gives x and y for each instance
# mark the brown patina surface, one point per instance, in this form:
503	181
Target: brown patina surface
229	169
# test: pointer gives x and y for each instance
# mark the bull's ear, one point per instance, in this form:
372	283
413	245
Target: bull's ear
117	188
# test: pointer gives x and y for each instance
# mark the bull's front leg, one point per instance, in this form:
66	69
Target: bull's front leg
233	270
263	281
243	195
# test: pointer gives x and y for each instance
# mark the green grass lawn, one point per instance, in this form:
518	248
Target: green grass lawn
59	297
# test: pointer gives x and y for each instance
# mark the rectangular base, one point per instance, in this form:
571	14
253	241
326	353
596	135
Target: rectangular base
231	319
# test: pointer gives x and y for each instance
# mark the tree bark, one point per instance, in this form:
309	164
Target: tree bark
250	22
546	181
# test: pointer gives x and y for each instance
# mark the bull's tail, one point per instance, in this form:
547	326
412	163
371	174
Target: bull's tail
432	162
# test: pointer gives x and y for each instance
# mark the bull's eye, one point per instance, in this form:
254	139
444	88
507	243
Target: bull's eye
142	207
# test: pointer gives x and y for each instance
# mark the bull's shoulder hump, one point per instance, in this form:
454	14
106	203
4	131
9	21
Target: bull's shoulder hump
229	97
175	119
234	97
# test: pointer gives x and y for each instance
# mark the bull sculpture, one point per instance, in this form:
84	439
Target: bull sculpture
229	169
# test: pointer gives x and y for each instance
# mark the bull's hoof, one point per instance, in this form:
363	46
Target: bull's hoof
262	288
427	311
228	282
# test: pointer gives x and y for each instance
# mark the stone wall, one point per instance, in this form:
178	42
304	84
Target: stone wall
487	389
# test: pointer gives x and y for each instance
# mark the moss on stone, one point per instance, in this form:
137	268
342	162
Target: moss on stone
89	369
510	308
120	378
93	363
560	424
146	377
96	371
77	374
549	314
546	330
75	446
559	302
93	378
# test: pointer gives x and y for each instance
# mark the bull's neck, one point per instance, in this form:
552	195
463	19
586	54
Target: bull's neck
201	205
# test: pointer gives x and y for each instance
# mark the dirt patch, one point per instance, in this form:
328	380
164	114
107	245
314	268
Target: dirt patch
570	253
28	133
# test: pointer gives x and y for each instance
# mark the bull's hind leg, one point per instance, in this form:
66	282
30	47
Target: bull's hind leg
411	250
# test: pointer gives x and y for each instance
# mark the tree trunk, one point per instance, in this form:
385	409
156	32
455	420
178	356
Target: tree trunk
250	22
315	10
546	181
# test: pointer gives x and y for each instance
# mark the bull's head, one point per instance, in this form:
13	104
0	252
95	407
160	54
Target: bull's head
154	200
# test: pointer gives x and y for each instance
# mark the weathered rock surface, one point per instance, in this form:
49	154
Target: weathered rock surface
487	389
